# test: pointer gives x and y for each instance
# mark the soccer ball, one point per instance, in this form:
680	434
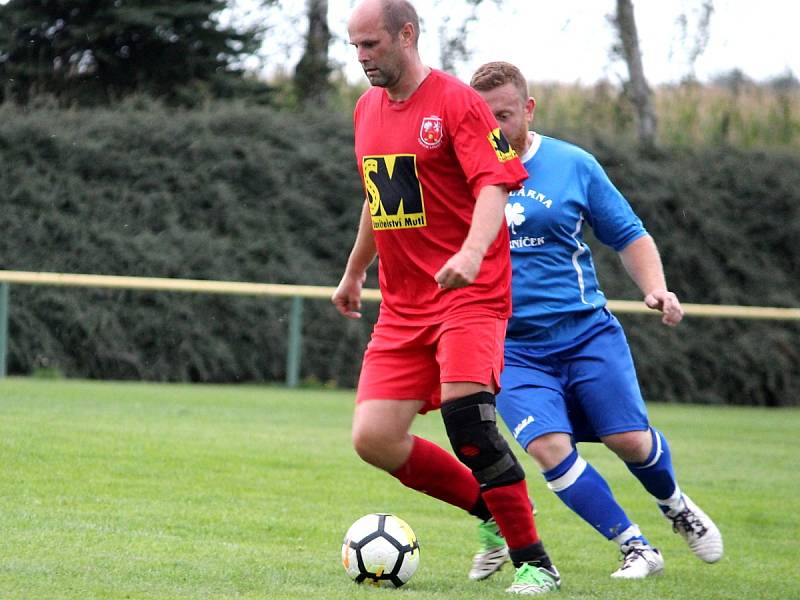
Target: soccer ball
380	549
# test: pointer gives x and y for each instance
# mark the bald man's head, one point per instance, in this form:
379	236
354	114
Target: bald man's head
393	15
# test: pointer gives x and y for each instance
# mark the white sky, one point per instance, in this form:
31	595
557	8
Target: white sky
569	40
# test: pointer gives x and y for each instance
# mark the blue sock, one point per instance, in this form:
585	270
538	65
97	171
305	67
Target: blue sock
587	494
656	473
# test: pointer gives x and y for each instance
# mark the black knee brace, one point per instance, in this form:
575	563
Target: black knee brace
471	425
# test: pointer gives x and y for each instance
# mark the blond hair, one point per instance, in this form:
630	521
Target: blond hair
494	74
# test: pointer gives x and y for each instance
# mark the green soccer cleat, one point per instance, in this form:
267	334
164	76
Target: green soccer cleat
493	553
531	580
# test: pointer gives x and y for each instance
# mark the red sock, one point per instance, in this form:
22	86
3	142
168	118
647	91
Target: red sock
511	509
433	471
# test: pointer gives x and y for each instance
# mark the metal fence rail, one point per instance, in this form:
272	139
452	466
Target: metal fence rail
298	293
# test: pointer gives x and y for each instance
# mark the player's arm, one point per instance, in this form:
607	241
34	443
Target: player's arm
347	297
487	217
643	263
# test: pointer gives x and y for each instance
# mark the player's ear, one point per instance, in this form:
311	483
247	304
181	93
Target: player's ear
407	33
530	107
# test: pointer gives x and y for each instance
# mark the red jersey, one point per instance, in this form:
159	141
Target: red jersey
423	162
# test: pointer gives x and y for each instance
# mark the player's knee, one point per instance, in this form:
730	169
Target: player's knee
550	449
471	425
368	445
380	449
630	446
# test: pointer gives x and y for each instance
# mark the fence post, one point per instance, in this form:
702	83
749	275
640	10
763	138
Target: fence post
3	327
295	342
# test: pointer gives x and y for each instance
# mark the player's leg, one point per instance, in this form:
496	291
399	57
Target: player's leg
380	431
584	490
399	364
533	406
471	426
607	385
381	437
647	455
493	551
468	410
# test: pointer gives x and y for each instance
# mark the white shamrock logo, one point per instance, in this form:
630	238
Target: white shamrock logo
515	216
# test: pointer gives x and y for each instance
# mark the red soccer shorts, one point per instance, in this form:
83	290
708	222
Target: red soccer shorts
410	362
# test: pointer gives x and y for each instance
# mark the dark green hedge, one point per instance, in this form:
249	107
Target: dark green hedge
727	223
249	194
230	192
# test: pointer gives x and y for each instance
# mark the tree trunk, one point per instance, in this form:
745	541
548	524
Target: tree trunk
638	91
311	74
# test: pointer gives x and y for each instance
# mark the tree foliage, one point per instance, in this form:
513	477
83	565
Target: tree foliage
93	51
311	76
636	89
454	33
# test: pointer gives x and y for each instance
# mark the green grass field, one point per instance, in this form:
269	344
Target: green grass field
112	490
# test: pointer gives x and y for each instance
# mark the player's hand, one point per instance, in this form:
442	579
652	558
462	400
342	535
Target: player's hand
668	304
347	297
461	270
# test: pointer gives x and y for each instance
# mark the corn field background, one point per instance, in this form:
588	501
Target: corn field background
741	113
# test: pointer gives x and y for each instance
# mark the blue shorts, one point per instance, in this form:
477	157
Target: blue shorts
588	390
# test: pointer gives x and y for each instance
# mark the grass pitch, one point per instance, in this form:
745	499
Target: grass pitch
112	490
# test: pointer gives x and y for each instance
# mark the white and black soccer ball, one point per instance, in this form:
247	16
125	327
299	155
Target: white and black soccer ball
380	549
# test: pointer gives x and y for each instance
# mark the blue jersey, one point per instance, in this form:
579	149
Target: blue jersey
556	295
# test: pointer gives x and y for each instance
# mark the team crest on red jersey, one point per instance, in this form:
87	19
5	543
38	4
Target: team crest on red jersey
431	132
